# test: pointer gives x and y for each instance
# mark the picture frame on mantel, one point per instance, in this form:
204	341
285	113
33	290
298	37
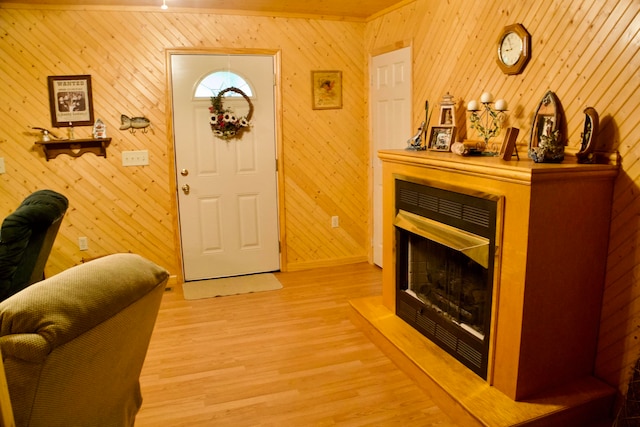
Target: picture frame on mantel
70	100
326	90
508	146
441	138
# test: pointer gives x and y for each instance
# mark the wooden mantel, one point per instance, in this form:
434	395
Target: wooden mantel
550	264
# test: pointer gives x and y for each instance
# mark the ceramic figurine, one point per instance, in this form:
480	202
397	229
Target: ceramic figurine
415	142
99	129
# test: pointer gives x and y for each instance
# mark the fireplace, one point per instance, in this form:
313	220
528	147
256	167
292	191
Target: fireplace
536	235
535	325
445	248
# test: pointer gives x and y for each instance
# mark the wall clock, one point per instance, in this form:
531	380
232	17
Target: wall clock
514	49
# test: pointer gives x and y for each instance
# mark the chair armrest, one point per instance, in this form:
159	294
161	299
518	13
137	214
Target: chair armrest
27	347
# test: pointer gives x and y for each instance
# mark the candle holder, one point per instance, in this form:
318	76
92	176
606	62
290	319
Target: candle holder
485	119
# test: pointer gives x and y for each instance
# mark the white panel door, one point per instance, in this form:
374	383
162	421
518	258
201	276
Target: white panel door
227	189
391	122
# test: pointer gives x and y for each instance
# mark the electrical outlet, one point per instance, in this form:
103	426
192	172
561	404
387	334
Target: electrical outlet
135	158
83	243
2	169
335	222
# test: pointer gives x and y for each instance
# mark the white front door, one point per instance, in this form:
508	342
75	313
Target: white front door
227	189
391	122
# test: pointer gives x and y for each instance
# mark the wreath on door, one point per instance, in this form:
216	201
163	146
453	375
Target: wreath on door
225	124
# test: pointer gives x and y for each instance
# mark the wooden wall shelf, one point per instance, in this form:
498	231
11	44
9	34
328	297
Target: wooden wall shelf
75	147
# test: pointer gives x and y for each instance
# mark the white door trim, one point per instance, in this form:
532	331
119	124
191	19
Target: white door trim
277	54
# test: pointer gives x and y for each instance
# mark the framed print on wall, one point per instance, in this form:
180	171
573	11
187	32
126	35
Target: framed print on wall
70	101
441	138
326	89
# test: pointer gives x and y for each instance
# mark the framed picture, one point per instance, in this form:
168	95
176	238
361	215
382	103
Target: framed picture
441	138
70	101
326	89
447	116
509	144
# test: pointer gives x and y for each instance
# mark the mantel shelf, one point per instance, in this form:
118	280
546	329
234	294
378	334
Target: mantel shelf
75	147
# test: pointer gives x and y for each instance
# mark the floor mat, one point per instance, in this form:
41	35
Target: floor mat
230	286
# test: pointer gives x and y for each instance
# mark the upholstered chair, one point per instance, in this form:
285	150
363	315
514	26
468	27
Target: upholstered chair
26	239
74	344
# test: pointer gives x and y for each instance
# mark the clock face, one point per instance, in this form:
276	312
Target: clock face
511	48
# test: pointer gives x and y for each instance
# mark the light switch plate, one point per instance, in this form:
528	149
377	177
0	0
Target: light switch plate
135	158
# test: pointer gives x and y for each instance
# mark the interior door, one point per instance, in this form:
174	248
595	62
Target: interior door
227	189
391	122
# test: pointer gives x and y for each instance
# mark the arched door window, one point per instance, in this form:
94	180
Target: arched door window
212	84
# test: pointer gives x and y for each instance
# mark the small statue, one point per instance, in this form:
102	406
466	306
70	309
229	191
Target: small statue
46	134
550	149
99	129
415	142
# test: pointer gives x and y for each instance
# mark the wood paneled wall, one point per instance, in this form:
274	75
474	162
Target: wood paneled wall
587	52
120	209
584	50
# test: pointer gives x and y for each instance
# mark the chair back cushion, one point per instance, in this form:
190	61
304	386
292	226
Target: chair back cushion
26	238
74	344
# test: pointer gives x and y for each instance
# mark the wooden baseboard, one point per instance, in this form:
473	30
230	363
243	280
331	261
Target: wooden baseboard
308	265
467	398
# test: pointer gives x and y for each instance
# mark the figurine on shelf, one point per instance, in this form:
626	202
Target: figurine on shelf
415	142
550	149
46	134
99	129
589	137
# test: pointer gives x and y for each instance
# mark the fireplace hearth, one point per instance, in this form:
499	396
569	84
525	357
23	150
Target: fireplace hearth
445	246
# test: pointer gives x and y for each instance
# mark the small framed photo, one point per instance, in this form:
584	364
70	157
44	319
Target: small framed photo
70	101
326	89
441	138
447	116
509	144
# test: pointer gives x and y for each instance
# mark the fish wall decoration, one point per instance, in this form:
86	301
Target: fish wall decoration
134	123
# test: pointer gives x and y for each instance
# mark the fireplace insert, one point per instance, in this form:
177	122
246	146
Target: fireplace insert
446	246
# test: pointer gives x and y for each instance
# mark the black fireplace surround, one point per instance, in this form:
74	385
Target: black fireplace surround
445	248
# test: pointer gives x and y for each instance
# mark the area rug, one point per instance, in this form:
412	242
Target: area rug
230	286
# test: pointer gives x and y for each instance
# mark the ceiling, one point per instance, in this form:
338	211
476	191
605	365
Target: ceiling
331	8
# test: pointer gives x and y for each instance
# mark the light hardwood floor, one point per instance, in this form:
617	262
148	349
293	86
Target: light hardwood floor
289	357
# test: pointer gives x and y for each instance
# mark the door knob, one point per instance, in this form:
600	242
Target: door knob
184	172
186	188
